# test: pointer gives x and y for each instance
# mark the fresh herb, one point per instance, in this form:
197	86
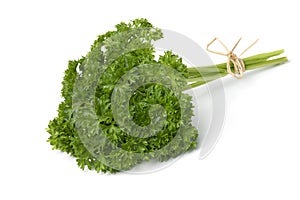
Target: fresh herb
102	143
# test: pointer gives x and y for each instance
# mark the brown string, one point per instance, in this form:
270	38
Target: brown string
238	63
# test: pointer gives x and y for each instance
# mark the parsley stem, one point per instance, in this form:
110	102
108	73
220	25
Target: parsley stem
200	75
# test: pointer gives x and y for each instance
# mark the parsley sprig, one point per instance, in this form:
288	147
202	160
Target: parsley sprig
105	145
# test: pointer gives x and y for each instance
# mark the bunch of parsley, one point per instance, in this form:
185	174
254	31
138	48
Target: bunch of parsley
102	144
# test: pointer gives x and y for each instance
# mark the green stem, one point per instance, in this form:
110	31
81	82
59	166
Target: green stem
249	60
200	75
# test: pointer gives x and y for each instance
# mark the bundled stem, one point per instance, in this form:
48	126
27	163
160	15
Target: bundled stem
200	75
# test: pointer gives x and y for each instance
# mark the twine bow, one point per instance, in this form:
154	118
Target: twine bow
238	63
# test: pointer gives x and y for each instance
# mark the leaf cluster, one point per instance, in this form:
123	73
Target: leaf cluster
126	51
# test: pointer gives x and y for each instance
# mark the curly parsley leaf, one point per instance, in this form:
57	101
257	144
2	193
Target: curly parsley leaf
66	137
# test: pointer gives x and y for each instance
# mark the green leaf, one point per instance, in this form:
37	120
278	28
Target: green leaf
177	134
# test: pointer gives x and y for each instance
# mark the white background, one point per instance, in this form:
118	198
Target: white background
258	155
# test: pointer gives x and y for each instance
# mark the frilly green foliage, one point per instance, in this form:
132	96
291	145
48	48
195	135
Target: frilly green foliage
63	133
